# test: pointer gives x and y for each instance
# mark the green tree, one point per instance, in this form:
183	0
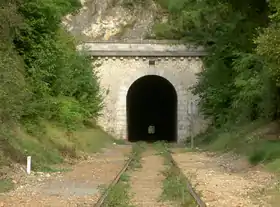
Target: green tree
60	78
13	90
42	74
234	84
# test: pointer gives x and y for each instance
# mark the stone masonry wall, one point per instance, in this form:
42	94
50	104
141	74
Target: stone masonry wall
118	73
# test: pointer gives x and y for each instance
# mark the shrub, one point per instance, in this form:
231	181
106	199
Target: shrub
53	67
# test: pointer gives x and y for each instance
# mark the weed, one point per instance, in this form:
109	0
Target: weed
137	150
118	195
160	147
274	166
175	184
175	188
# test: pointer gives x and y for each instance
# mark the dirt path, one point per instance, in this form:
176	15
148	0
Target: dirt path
146	182
225	181
79	187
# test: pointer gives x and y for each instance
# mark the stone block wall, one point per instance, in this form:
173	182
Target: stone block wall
117	74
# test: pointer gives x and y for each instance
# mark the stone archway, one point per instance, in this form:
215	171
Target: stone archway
118	74
151	101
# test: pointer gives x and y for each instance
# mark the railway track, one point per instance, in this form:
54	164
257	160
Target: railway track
102	198
191	190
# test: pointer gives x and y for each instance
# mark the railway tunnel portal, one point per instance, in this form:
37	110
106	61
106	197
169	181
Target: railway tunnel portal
151	105
146	87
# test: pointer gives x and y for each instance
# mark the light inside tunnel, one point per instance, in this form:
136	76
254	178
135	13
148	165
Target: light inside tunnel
151	110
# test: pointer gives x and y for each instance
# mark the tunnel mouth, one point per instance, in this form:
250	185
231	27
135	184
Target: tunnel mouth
151	105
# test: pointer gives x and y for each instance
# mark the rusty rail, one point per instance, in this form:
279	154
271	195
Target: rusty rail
191	190
102	198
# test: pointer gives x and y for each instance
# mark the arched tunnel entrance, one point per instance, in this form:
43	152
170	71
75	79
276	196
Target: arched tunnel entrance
152	110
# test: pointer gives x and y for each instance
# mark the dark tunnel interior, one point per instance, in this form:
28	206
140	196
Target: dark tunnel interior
152	101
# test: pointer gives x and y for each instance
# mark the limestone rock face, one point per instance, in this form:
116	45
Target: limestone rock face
111	20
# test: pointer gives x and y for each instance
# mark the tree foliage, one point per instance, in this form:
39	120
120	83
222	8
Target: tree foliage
241	78
42	74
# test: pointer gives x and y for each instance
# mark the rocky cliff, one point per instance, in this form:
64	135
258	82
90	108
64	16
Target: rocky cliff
112	19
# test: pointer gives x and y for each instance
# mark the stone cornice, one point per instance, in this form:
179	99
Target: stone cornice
144	48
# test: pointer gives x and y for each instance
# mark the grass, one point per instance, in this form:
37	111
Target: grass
174	188
174	183
274	165
246	141
137	150
160	147
253	142
118	195
6	185
51	145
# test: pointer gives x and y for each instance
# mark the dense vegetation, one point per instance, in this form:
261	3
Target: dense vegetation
43	80
240	83
47	88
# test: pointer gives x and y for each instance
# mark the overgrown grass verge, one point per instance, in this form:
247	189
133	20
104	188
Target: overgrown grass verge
175	183
118	195
50	145
252	140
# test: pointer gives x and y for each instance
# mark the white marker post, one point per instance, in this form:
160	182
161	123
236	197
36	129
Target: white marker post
28	165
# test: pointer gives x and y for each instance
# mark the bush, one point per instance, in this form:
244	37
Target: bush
67	111
13	89
53	67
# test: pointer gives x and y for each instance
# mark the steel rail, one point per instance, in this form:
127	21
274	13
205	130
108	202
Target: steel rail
191	190
103	197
